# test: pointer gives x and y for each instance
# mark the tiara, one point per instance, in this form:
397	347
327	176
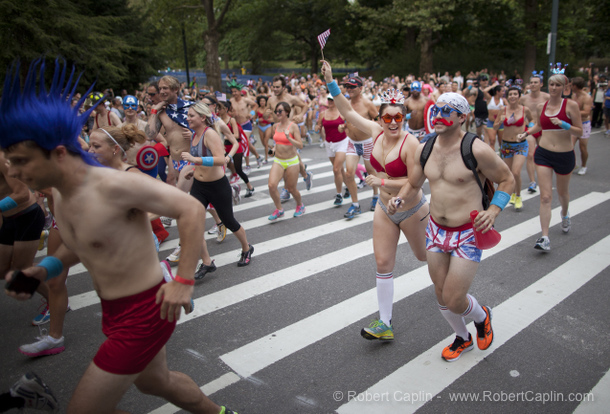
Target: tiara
517	84
557	69
392	96
537	74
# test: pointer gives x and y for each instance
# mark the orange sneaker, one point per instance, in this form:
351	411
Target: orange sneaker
485	334
454	351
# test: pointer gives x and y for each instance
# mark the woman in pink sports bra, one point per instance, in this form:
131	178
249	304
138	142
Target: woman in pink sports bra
558	120
392	158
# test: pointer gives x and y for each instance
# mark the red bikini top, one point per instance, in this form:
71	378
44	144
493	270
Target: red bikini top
545	121
395	168
518	123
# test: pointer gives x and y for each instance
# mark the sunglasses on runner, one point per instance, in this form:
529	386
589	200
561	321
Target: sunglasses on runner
151	94
279	111
387	118
130	106
445	111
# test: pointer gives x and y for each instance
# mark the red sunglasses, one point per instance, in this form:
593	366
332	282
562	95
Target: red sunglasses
387	118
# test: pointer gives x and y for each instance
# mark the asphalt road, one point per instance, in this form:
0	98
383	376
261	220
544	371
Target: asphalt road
283	334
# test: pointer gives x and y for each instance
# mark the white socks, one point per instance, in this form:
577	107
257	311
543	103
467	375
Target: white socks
385	296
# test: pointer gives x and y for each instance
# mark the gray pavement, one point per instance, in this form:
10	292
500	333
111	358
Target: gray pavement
282	335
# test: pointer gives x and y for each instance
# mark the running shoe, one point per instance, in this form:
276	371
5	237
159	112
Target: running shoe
246	257
225	410
204	270
566	223
249	192
374	202
378	330
485	334
532	187
454	351
284	195
44	316
299	211
518	203
361	184
222	233
259	161
513	197
175	256
213	230
166	269
543	244
166	221
308	180
234	178
276	214
247	169
309	140
235	189
346	193
338	200
352	211
582	171
44	236
45	345
35	393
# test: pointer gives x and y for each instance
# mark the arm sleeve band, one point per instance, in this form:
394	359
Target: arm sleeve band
500	199
53	265
333	88
408	116
565	125
531	124
7	203
207	161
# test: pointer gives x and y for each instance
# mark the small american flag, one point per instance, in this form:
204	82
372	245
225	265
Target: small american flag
353	75
222	97
322	38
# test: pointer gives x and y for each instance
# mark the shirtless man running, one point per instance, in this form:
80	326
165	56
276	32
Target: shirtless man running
452	255
102	217
585	104
416	104
359	145
170	113
531	101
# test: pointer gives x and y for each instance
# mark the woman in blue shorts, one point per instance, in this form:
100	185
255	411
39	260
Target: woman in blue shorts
514	150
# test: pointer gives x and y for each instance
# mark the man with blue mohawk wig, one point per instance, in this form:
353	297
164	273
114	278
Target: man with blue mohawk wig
101	215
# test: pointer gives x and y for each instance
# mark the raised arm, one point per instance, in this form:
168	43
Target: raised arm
371	128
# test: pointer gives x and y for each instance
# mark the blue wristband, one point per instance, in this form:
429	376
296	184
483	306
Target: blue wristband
53	265
408	116
207	161
7	203
333	88
500	199
565	125
531	124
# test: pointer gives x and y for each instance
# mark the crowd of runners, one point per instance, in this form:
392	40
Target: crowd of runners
176	152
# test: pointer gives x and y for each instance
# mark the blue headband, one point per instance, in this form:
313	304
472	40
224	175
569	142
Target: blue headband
47	118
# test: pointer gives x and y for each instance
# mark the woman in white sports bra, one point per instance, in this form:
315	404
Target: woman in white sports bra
495	106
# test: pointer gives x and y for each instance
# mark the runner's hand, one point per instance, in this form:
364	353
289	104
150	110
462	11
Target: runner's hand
327	71
394	205
486	218
37	272
173	297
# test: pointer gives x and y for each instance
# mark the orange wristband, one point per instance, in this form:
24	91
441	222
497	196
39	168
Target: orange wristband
153	111
189	282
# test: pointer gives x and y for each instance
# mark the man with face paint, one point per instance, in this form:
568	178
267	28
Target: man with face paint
452	255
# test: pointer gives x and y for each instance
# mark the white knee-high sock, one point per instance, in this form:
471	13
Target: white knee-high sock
385	296
455	321
474	310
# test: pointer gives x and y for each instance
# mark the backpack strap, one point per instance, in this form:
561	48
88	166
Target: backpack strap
471	162
425	153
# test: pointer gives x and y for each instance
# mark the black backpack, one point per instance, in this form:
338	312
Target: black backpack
469	160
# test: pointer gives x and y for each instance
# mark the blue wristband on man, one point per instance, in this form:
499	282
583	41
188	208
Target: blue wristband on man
500	199
53	265
333	88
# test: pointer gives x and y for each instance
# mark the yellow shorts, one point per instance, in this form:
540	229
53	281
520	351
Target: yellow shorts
287	163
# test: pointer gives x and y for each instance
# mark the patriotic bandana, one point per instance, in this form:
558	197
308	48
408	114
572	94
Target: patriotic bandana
177	112
456	100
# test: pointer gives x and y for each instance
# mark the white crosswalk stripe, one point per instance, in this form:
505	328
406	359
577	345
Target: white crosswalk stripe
284	332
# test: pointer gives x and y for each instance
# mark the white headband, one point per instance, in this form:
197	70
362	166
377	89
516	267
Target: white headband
456	100
114	140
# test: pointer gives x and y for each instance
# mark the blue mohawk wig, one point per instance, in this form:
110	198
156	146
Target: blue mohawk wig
47	118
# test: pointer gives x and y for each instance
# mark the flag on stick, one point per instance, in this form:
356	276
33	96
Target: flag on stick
322	40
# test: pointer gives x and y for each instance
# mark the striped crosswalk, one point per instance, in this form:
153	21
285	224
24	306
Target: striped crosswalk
283	333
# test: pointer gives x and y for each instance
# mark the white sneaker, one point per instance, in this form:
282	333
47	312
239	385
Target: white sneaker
543	244
167	221
582	171
213	230
247	169
236	196
35	393
566	223
167	271
175	256
46	345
